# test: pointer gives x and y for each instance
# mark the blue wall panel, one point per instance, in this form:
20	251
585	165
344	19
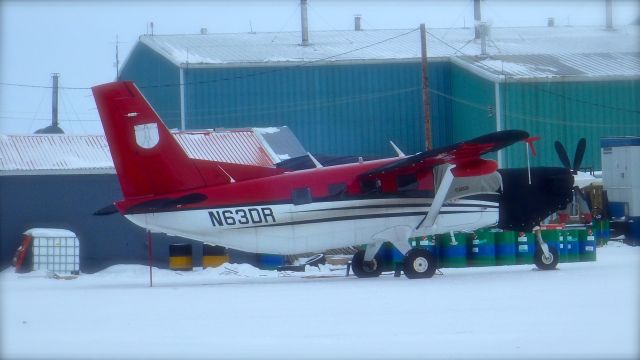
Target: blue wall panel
333	109
158	79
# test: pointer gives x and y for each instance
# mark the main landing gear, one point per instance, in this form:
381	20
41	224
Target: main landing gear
418	264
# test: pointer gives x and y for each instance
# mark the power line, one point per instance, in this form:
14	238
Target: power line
239	77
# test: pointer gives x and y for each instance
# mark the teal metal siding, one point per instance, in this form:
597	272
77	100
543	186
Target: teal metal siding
473	105
333	109
564	111
159	81
567	111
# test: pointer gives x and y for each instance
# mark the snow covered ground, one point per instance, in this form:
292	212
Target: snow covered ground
583	310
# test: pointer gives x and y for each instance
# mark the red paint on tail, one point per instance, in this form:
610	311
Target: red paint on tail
148	159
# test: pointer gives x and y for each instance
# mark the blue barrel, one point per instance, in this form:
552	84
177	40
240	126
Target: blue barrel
572	245
587	241
270	261
633	231
525	248
452	251
391	257
505	248
616	209
425	242
601	231
482	248
562	247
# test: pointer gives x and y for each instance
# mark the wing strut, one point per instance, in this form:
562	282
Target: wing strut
430	219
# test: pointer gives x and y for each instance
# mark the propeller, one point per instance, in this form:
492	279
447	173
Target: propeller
581	198
577	157
562	154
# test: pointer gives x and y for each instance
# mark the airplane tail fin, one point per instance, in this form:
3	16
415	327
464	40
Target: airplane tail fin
147	157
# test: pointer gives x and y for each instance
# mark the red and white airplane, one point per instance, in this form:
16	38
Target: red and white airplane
279	211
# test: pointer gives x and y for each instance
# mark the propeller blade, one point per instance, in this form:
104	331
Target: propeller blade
577	158
562	154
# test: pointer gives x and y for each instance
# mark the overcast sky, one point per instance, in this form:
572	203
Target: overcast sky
78	38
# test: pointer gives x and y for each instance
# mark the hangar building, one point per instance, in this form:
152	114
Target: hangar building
350	92
59	181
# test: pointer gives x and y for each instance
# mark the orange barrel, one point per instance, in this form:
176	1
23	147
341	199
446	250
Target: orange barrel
213	255
180	257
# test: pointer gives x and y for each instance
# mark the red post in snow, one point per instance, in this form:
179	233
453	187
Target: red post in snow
149	244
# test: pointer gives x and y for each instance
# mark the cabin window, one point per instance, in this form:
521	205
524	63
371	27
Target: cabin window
301	196
370	186
407	182
337	190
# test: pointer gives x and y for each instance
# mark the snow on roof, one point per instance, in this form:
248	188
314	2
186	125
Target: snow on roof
554	66
82	154
59	152
284	47
231	146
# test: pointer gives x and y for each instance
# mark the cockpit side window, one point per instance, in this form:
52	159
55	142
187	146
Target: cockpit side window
301	196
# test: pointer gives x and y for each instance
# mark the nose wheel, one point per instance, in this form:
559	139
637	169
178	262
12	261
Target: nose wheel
419	264
547	261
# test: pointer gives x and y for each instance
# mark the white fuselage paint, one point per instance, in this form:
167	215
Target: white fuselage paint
294	229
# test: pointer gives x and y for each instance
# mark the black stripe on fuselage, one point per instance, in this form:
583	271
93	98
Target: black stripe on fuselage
382	206
361	217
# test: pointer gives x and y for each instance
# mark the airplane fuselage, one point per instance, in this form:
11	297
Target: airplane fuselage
316	209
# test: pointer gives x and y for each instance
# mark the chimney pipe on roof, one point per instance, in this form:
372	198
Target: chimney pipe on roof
483	28
304	23
609	7
477	18
357	23
54	100
53	128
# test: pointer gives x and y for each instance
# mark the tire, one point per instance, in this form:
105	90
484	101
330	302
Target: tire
546	263
363	269
419	264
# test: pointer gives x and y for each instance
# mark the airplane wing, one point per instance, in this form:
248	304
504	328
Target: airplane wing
465	154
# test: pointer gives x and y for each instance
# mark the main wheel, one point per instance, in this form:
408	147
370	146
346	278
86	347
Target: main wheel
546	262
366	269
419	264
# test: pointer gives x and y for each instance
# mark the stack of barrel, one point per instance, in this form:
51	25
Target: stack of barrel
181	256
493	247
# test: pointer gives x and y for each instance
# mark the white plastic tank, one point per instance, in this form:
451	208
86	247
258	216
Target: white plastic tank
55	250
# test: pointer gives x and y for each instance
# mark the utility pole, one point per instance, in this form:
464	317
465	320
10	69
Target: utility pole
425	87
117	60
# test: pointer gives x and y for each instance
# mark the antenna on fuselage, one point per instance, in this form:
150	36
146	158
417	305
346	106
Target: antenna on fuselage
315	162
396	149
231	179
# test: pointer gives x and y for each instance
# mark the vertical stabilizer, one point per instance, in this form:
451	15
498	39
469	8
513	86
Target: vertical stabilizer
148	159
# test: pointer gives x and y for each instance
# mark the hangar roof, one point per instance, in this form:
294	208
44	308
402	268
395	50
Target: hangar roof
547	67
278	48
89	154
